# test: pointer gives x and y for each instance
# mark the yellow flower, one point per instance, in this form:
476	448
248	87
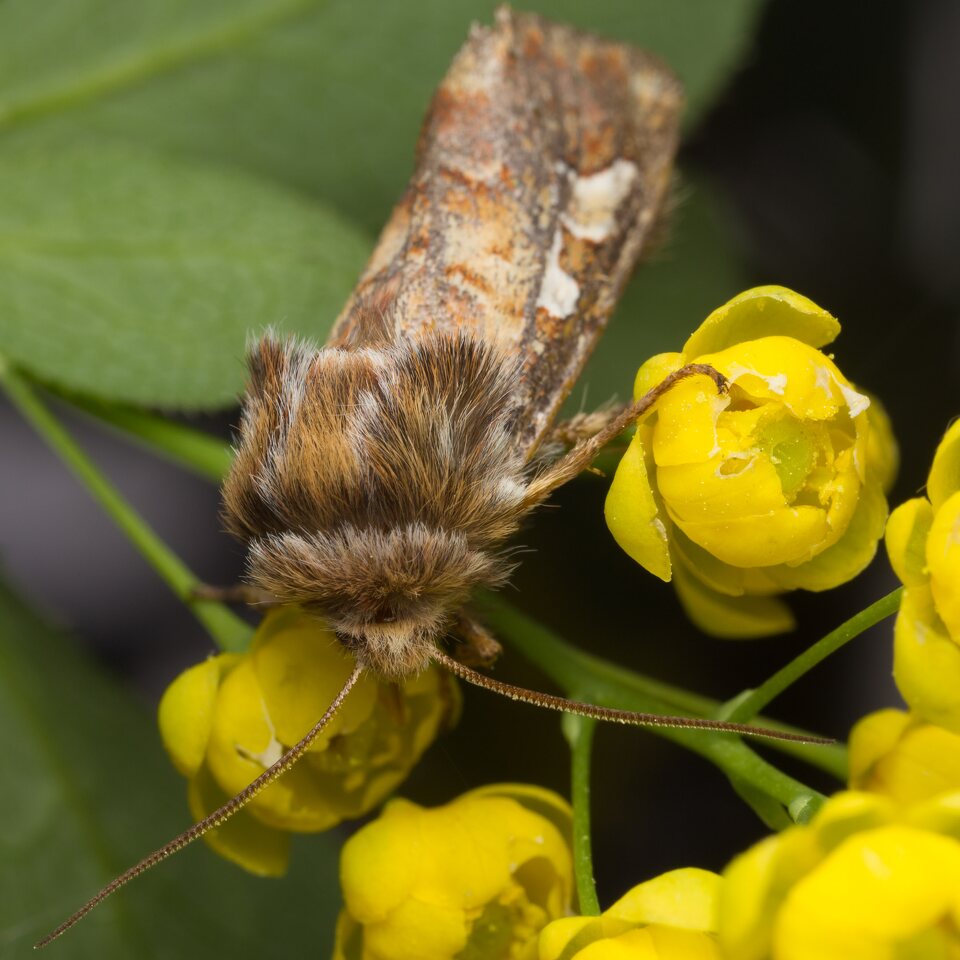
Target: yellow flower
479	877
899	756
775	485
224	721
866	879
923	542
670	917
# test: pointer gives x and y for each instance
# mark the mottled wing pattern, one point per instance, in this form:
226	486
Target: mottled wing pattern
542	165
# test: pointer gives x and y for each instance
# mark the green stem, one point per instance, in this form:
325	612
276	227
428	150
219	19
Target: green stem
227	629
749	706
597	680
208	456
579	734
572	668
730	754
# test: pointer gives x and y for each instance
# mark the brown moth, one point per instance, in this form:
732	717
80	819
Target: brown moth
378	479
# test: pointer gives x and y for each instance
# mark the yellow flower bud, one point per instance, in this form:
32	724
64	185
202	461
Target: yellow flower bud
865	879
479	877
670	917
226	720
902	757
923	543
775	485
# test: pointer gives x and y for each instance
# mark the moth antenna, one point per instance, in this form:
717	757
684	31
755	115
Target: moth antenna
585	452
611	714
215	819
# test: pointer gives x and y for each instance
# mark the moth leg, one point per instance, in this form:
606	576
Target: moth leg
585	452
478	647
238	593
568	433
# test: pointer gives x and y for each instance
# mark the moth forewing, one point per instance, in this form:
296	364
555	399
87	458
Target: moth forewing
544	161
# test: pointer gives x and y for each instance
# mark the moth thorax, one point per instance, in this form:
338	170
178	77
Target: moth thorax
388	593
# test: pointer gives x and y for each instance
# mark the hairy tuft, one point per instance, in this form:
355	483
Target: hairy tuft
378	484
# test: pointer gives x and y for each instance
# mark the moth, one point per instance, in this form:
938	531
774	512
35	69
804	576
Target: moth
378	479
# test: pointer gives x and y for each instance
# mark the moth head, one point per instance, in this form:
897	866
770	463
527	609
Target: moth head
388	593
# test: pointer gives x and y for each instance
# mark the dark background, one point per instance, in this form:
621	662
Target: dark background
834	153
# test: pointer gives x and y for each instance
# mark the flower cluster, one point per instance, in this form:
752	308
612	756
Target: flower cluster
865	879
923	543
224	721
775	485
876	874
488	876
479	877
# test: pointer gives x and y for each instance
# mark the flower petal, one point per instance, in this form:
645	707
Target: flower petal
652	943
301	667
926	661
706	492
719	615
243	840
687	422
781	535
717	575
633	516
944	478
941	814
847	813
943	562
784	370
763	312
185	714
388	848
556	937
655	370
418	931
906	537
877	890
536	799
851	554
909	761
243	744
681	898
348	943
871	739
753	888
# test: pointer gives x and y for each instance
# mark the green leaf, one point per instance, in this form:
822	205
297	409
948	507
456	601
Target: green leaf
87	791
137	277
204	454
327	97
95	47
133	273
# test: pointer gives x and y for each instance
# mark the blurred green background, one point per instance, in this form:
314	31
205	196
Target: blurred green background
176	174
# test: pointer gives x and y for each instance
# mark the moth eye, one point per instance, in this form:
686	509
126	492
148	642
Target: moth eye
385	613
